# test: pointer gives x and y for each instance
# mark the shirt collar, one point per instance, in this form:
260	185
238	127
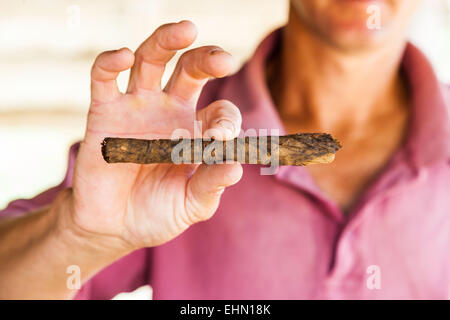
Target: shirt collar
428	139
429	134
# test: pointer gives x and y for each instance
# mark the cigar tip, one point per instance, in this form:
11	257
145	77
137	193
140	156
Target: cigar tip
338	144
104	149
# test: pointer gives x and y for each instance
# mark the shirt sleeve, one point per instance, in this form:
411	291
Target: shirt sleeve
124	275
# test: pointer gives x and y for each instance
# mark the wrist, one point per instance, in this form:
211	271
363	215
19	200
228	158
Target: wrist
102	249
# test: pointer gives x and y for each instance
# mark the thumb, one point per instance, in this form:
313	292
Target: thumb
205	188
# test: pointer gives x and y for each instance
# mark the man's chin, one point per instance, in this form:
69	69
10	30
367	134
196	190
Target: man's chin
356	39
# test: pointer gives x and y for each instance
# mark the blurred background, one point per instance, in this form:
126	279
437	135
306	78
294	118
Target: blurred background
47	48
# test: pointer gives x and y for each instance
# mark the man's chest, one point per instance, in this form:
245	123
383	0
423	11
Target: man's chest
280	237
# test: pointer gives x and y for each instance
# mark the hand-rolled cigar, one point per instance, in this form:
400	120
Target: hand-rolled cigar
291	150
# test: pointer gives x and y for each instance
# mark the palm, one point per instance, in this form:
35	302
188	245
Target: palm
143	204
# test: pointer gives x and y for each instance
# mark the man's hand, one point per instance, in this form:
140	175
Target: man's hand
147	205
113	209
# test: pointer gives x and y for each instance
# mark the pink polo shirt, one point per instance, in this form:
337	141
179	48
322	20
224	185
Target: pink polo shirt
280	237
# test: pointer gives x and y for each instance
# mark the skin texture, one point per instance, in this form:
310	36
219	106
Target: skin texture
332	75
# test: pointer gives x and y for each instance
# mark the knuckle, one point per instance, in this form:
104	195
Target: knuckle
97	61
195	212
228	109
186	56
96	66
163	28
102	56
192	54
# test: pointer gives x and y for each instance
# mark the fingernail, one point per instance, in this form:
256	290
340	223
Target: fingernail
227	125
215	50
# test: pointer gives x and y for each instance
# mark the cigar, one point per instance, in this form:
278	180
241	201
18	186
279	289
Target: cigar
292	150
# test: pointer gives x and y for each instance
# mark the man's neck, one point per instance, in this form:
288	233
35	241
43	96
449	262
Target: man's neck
358	97
322	88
